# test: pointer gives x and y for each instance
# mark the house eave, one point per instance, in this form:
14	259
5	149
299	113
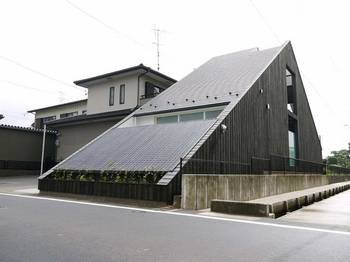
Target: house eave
88	81
90	118
64	104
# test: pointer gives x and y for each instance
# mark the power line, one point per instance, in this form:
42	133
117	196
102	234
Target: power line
275	35
18	115
33	88
265	21
317	93
39	73
325	103
111	28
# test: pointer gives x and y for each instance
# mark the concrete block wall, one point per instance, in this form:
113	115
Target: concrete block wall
338	178
199	190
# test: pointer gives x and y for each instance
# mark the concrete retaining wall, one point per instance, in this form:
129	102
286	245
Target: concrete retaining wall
199	190
338	178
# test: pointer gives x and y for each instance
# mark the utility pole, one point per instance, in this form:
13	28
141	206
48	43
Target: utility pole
43	151
157	32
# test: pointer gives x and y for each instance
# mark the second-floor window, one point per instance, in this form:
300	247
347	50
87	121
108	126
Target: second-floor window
70	114
122	94
111	95
151	90
49	118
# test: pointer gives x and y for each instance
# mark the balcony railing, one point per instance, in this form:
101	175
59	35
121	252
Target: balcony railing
275	164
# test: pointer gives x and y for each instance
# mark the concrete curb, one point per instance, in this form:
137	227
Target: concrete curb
279	208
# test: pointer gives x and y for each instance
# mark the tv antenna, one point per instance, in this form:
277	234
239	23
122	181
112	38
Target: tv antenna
156	34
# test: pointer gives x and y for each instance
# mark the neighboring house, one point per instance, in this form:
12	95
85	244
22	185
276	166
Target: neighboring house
111	97
56	112
20	150
232	108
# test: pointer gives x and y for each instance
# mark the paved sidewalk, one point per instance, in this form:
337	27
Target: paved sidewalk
19	185
333	213
278	205
296	194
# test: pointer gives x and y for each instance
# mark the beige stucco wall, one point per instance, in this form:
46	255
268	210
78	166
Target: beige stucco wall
98	101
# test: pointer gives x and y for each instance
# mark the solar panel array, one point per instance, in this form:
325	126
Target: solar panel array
139	148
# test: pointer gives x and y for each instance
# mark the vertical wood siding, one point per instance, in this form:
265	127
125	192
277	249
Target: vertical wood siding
254	130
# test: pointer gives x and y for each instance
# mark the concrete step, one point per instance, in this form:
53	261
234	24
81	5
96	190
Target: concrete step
278	205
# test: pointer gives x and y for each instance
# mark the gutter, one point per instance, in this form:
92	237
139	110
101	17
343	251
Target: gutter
138	86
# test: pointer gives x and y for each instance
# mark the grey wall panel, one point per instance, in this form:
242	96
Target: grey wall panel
73	137
22	145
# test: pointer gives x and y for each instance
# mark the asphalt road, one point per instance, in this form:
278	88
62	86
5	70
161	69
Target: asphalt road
34	229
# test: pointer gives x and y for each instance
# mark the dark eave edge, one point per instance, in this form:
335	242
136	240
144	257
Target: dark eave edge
123	71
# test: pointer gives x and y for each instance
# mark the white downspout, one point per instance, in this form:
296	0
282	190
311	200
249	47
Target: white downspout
43	151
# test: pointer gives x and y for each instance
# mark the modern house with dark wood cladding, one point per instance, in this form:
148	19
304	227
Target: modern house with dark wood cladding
234	114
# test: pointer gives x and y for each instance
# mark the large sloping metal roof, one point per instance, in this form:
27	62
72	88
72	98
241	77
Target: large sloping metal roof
219	80
223	79
139	148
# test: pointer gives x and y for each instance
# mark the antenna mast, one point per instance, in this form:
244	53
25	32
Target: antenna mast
157	32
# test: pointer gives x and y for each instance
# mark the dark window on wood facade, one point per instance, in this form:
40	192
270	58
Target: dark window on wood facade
292	116
291	90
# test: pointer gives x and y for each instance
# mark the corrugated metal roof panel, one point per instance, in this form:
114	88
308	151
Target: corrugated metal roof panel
139	148
29	129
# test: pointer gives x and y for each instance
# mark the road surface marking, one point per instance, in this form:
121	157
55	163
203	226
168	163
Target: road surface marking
183	214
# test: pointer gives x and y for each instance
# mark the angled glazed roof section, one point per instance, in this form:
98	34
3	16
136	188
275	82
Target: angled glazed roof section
222	79
139	148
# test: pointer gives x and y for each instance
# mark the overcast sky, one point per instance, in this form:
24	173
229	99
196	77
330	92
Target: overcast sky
46	45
